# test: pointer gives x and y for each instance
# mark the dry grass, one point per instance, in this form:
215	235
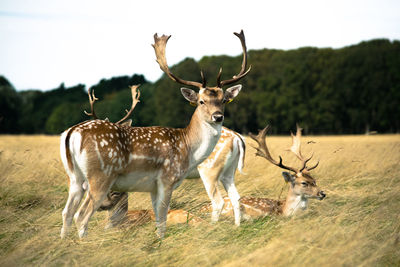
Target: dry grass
358	224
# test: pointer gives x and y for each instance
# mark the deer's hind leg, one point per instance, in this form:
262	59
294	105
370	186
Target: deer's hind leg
99	186
228	180
210	181
75	194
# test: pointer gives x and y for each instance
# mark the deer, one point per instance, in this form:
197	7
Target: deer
227	156
143	216
302	186
100	156
220	166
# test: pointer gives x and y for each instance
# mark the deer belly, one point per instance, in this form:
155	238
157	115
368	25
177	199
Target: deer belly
137	182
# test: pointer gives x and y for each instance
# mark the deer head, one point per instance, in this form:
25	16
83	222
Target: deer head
301	182
210	101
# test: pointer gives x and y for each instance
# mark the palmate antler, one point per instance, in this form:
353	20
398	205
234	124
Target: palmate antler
159	47
92	99
135	99
243	71
262	150
160	44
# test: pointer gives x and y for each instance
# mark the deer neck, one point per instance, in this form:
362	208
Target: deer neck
201	138
294	203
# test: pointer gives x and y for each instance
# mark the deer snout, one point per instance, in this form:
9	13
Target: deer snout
217	117
321	195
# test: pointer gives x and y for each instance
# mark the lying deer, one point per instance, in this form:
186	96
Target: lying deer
100	156
302	186
140	217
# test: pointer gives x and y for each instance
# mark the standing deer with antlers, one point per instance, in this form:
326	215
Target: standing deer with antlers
302	186
227	156
100	156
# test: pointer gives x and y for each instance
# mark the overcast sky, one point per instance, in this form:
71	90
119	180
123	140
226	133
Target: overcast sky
46	42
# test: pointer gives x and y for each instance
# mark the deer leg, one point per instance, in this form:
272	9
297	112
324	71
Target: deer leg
154	203
210	181
99	187
117	214
75	196
229	185
161	205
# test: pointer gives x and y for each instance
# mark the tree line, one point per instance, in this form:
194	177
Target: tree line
351	90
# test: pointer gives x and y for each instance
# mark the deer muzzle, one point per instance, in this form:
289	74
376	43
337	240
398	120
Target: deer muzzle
217	117
321	195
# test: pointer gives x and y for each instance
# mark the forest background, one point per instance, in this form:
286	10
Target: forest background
351	90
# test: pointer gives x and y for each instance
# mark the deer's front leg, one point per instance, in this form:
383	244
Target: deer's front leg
160	201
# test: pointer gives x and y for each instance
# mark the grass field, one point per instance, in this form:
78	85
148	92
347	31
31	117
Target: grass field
357	224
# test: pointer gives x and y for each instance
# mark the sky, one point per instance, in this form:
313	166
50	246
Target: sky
44	43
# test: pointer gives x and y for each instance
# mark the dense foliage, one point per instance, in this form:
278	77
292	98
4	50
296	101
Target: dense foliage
354	89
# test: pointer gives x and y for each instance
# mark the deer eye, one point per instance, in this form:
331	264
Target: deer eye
303	183
201	102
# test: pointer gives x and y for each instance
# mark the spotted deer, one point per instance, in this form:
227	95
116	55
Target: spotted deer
220	166
100	156
140	217
227	156
302	186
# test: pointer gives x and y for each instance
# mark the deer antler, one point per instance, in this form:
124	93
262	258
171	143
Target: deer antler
135	100
296	149
262	149
243	71
92	99
159	47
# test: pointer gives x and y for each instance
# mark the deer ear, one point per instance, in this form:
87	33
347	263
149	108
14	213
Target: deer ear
189	95
231	93
288	177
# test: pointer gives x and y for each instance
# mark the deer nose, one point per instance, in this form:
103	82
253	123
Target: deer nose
217	117
322	195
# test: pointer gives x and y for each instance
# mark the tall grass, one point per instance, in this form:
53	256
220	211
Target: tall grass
358	224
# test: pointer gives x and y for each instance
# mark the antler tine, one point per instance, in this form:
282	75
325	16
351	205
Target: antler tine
305	163
296	149
219	77
135	100
296	143
262	149
243	71
204	80
159	47
313	167
92	99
